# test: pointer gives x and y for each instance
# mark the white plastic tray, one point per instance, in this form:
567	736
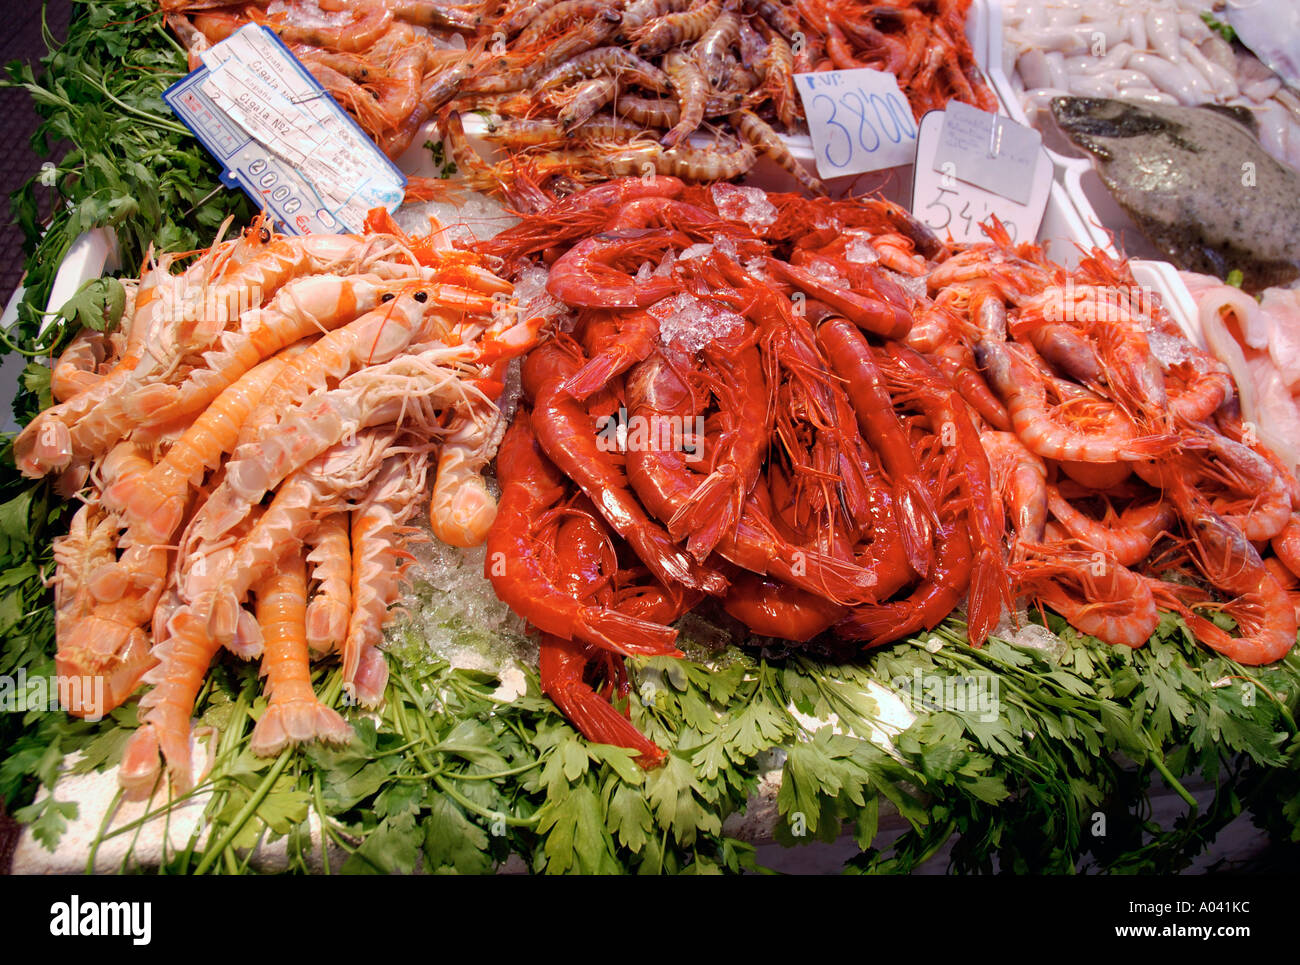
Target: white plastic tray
1098	219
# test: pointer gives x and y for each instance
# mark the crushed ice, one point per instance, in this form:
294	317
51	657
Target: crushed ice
451	608
912	284
824	271
532	300
474	217
693	323
860	251
750	205
1019	632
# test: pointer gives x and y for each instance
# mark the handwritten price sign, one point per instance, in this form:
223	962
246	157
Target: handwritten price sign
1014	177
859	120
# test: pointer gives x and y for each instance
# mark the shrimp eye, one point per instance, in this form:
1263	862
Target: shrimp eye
387	297
421	296
265	235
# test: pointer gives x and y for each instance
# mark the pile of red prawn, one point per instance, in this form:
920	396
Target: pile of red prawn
838	431
921	42
247	451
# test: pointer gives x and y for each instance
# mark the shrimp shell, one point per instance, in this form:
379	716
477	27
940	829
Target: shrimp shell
377	565
691	88
711	51
461	510
589	97
660	112
759	133
567	12
294	714
691	164
331	559
664	33
622	64
641	11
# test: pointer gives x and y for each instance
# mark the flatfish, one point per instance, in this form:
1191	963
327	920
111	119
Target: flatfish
1196	182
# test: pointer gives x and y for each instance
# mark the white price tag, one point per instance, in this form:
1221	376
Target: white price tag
859	120
946	200
282	138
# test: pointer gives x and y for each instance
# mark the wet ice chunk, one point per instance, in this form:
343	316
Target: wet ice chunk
913	285
824	271
725	247
860	251
692	323
1019	632
472	217
532	300
750	205
1169	349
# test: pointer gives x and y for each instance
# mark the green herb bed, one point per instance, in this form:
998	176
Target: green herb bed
448	777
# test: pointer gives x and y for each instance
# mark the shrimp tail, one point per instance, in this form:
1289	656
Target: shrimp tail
709	513
562	664
297	722
620	633
141	763
915	513
986	596
597	373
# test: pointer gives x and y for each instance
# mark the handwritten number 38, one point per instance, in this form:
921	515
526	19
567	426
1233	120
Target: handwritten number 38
900	123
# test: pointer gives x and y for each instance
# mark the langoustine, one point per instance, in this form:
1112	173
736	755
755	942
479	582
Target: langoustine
371	346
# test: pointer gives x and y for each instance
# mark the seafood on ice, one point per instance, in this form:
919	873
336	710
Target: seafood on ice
249	453
822	423
587	89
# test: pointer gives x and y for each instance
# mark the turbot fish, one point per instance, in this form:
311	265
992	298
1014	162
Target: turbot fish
1196	182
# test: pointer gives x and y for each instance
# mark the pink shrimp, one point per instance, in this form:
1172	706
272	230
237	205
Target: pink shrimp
156	503
1127	536
1097	596
331	559
1079	431
294	714
377	565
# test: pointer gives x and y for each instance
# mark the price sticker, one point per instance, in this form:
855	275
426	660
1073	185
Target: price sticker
945	192
282	138
859	120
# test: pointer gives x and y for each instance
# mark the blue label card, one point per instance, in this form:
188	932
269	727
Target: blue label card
281	137
859	120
